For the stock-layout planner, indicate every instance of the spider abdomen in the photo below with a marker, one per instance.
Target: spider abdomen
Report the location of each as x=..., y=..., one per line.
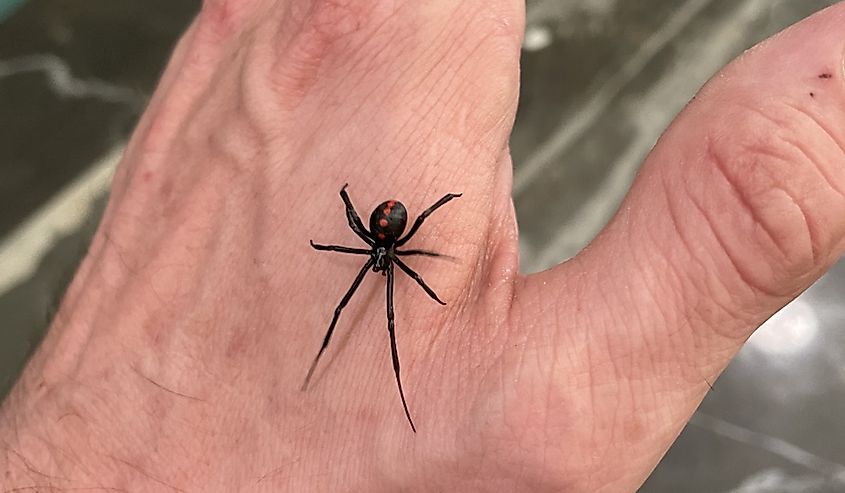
x=388, y=220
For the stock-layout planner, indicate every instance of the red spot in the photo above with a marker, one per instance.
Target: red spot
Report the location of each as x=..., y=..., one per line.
x=220, y=16
x=147, y=175
x=380, y=236
x=382, y=222
x=391, y=203
x=387, y=211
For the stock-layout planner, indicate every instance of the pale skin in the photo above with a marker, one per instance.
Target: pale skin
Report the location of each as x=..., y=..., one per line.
x=176, y=359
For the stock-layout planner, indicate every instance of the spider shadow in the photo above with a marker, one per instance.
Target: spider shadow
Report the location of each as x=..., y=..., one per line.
x=350, y=319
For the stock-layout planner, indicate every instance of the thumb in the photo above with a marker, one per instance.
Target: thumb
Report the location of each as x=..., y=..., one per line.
x=738, y=208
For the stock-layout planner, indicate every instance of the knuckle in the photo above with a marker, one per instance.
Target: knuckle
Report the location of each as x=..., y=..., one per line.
x=221, y=19
x=774, y=168
x=319, y=35
x=489, y=51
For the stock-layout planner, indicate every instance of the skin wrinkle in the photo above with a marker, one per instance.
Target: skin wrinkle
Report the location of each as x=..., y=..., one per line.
x=324, y=25
x=75, y=340
x=462, y=95
x=680, y=233
x=449, y=50
x=612, y=421
x=418, y=122
x=427, y=136
x=824, y=126
x=38, y=487
x=32, y=471
x=672, y=216
x=343, y=82
x=706, y=291
x=680, y=346
x=429, y=341
x=439, y=55
x=145, y=474
x=62, y=459
x=637, y=339
x=651, y=287
x=356, y=112
x=554, y=364
x=591, y=390
x=118, y=250
x=671, y=208
x=376, y=46
x=467, y=86
x=611, y=328
x=810, y=154
x=702, y=212
x=508, y=394
x=453, y=94
x=463, y=436
x=633, y=362
x=339, y=13
x=433, y=128
x=375, y=61
x=806, y=154
x=49, y=455
x=719, y=165
x=774, y=156
x=633, y=369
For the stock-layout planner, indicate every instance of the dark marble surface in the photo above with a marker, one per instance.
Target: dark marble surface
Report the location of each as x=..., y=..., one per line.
x=601, y=79
x=74, y=76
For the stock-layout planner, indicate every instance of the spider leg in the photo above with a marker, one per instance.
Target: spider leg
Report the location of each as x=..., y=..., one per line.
x=425, y=214
x=426, y=253
x=338, y=248
x=354, y=220
x=391, y=329
x=419, y=280
x=340, y=306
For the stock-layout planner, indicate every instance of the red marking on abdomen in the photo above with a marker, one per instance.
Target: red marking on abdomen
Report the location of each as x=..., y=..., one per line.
x=382, y=222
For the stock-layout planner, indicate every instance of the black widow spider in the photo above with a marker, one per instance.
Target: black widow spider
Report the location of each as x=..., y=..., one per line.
x=387, y=222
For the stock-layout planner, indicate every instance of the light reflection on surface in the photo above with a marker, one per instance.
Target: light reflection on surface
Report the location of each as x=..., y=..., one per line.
x=789, y=332
x=537, y=37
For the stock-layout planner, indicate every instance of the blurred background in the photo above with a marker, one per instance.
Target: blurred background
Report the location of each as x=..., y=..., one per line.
x=601, y=79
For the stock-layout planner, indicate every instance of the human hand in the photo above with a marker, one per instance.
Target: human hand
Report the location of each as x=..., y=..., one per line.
x=178, y=353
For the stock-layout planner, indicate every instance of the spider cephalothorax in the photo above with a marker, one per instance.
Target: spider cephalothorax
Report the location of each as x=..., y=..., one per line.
x=387, y=223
